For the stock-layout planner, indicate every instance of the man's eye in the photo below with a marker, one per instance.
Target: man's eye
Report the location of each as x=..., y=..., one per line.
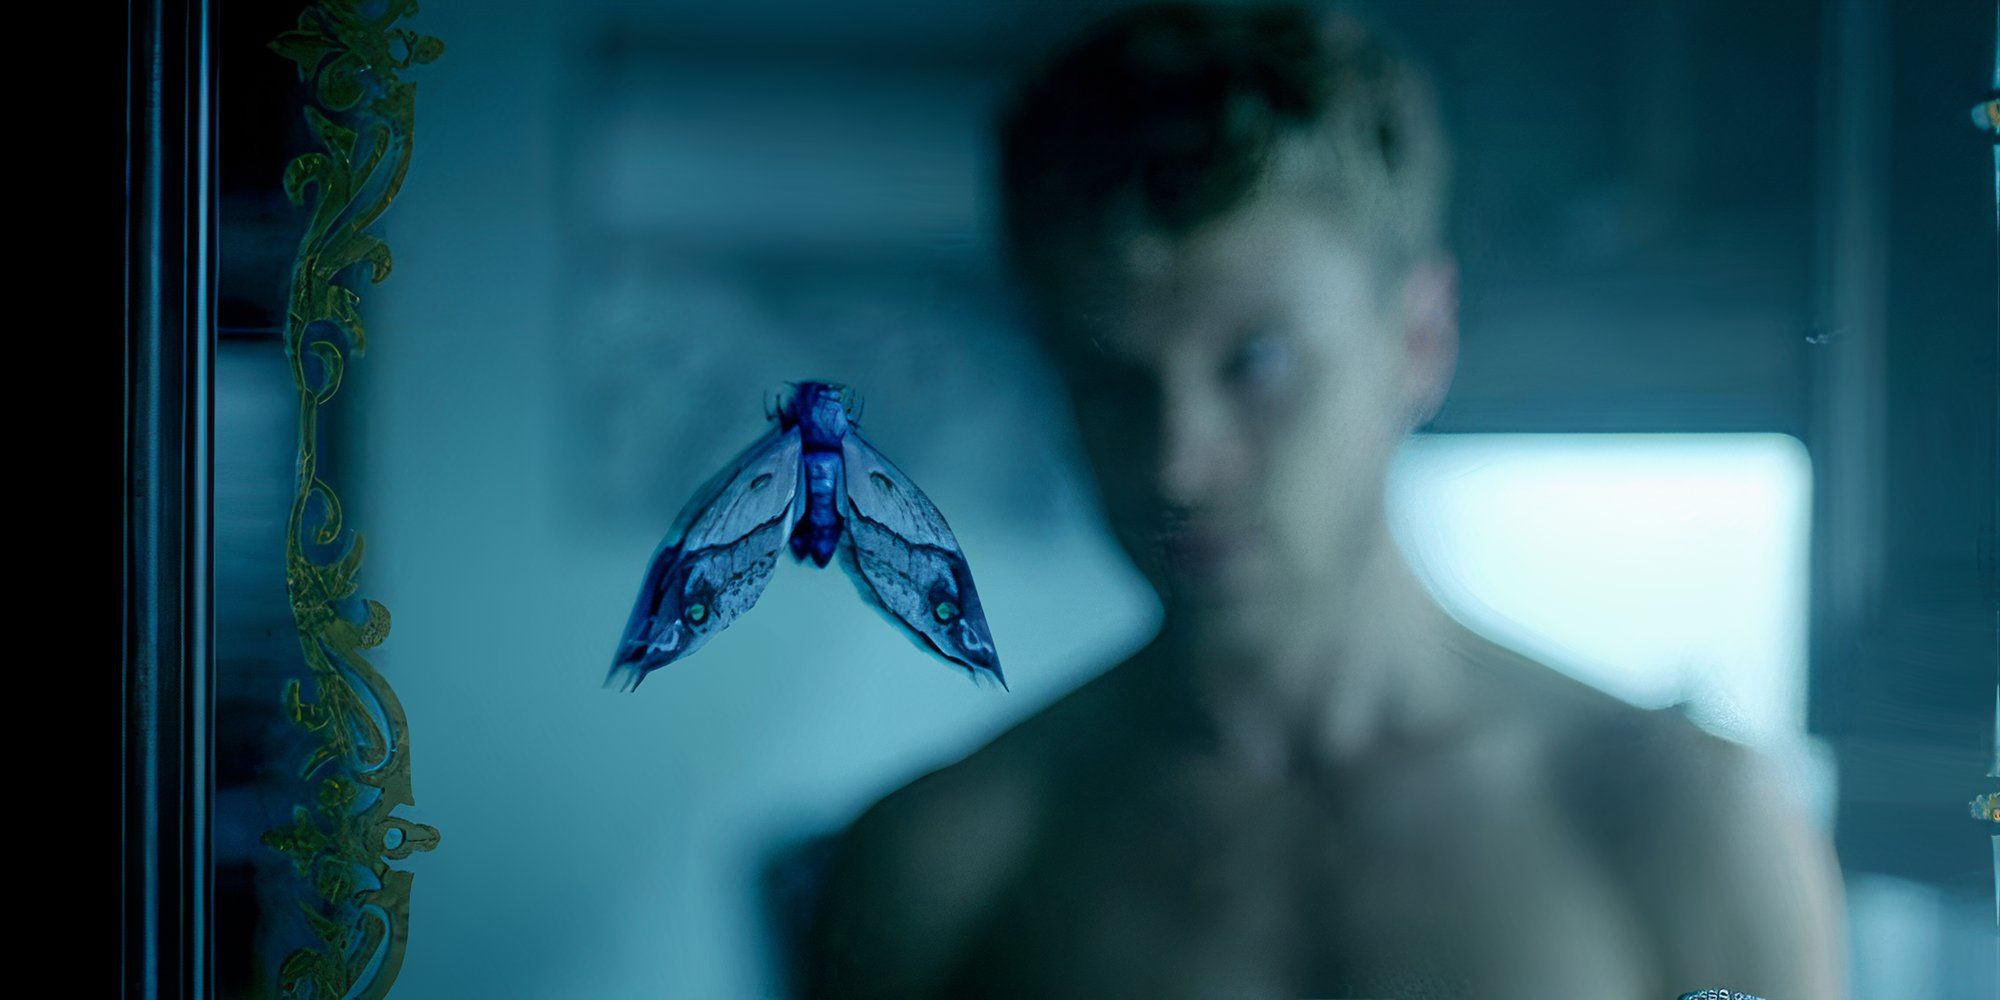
x=1263, y=364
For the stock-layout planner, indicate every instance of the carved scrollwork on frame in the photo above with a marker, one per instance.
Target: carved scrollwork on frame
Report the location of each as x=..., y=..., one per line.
x=344, y=835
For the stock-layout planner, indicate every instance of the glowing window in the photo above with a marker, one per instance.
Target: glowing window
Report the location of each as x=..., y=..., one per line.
x=1656, y=567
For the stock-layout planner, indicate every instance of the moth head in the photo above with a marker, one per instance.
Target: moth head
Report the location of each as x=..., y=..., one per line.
x=826, y=406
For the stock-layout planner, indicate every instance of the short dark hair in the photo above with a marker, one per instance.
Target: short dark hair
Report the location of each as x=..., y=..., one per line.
x=1166, y=116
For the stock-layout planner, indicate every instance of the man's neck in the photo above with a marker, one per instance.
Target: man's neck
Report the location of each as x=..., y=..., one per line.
x=1318, y=683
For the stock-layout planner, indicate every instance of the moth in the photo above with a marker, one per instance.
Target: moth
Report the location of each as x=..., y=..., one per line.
x=814, y=486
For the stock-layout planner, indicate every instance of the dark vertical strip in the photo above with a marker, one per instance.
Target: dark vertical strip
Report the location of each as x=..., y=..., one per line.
x=167, y=614
x=200, y=576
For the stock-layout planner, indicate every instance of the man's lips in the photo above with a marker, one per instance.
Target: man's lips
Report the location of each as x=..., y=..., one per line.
x=1205, y=547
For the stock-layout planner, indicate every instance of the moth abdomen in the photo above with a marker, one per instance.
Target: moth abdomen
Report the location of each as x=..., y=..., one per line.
x=817, y=534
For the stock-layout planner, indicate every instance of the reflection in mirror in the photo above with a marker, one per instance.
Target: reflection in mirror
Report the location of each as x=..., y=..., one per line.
x=1477, y=500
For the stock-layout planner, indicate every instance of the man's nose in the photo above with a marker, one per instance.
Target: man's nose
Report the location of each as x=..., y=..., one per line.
x=1194, y=453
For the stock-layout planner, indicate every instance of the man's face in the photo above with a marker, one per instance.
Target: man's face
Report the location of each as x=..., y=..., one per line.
x=1240, y=393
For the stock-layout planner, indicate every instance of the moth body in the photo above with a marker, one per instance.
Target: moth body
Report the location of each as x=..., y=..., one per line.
x=818, y=412
x=814, y=485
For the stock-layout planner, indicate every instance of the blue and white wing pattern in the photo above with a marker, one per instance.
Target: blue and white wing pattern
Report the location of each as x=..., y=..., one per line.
x=904, y=560
x=814, y=485
x=715, y=560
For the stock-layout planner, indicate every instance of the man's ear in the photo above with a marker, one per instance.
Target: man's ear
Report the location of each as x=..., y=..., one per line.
x=1430, y=337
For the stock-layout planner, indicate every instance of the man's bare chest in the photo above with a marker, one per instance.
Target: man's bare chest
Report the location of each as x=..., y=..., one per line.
x=1194, y=885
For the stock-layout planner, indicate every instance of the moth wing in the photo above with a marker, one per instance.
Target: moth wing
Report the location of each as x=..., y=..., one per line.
x=757, y=487
x=715, y=560
x=905, y=562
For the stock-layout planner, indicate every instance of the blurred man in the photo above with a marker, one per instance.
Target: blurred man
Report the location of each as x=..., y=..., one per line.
x=1313, y=782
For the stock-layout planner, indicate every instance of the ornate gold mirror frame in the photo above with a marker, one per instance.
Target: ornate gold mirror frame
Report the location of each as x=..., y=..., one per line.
x=345, y=836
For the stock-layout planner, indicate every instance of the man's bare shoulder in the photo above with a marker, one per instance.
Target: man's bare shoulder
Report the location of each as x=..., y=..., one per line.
x=1642, y=776
x=990, y=797
x=1610, y=753
x=1707, y=839
x=917, y=874
x=1718, y=861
